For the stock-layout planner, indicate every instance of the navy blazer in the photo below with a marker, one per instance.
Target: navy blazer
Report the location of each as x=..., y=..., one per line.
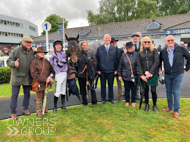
x=107, y=61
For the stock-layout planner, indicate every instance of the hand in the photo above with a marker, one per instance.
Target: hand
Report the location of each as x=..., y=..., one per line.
x=148, y=75
x=17, y=63
x=160, y=71
x=144, y=78
x=184, y=71
x=120, y=78
x=49, y=80
x=115, y=72
x=99, y=72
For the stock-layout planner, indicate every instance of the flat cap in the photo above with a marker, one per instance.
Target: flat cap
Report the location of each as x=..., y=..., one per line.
x=27, y=39
x=135, y=34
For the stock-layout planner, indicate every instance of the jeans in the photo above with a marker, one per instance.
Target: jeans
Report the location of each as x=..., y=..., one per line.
x=173, y=86
x=130, y=86
x=110, y=78
x=14, y=97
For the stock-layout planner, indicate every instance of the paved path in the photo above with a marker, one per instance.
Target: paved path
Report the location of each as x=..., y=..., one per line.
x=73, y=100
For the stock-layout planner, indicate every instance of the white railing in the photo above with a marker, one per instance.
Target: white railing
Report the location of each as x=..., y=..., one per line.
x=4, y=59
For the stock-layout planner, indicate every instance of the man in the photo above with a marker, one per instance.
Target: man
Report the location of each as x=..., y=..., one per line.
x=19, y=61
x=173, y=57
x=43, y=46
x=106, y=56
x=123, y=48
x=137, y=44
x=159, y=48
x=119, y=53
x=140, y=36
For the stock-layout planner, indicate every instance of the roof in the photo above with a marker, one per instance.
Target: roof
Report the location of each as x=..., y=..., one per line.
x=125, y=28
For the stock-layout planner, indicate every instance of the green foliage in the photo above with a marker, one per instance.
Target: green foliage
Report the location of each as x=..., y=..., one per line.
x=111, y=11
x=5, y=74
x=54, y=19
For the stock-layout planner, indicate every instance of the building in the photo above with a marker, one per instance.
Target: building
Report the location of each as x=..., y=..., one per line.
x=13, y=29
x=155, y=28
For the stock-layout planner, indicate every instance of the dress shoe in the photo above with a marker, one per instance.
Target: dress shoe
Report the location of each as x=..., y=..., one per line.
x=103, y=102
x=126, y=104
x=155, y=109
x=119, y=99
x=112, y=101
x=13, y=116
x=176, y=114
x=133, y=104
x=26, y=112
x=39, y=113
x=146, y=108
x=167, y=109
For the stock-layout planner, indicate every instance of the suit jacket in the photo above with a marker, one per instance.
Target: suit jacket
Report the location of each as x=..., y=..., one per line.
x=139, y=46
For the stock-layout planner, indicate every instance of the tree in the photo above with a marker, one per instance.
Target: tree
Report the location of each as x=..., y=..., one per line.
x=54, y=19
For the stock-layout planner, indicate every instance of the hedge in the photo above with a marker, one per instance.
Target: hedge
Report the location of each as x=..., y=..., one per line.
x=5, y=74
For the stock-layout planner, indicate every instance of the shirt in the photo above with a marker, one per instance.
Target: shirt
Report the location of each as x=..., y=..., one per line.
x=107, y=47
x=136, y=44
x=170, y=55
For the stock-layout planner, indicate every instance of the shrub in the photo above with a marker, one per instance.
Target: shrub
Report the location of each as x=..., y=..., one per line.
x=5, y=74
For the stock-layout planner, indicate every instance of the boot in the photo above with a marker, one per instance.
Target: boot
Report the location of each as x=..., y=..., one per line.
x=55, y=104
x=63, y=102
x=155, y=109
x=146, y=108
x=38, y=107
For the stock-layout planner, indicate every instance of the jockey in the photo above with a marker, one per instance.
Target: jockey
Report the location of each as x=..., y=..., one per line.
x=60, y=66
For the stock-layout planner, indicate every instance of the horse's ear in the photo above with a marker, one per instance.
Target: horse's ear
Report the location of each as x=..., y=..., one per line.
x=66, y=37
x=77, y=37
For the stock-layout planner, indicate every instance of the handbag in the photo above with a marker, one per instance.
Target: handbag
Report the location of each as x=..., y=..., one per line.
x=35, y=82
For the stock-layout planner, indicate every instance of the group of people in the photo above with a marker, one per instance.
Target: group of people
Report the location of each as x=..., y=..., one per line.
x=138, y=64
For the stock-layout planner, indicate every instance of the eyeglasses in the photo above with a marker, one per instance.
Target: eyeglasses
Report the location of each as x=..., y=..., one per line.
x=170, y=40
x=146, y=41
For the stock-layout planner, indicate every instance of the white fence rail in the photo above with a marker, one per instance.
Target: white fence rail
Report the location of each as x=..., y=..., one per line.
x=4, y=59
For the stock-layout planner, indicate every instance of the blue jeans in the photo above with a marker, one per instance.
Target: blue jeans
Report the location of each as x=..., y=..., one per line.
x=110, y=78
x=173, y=86
x=130, y=86
x=14, y=97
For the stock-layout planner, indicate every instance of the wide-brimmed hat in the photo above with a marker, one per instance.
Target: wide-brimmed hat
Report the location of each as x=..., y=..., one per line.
x=114, y=39
x=129, y=44
x=135, y=34
x=27, y=39
x=40, y=49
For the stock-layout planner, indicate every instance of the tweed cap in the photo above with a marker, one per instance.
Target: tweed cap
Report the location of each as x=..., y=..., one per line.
x=27, y=39
x=114, y=39
x=135, y=34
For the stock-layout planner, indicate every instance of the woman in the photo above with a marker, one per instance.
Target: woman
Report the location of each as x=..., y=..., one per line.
x=85, y=60
x=40, y=69
x=148, y=67
x=127, y=72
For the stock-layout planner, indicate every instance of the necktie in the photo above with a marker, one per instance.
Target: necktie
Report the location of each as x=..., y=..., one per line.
x=136, y=48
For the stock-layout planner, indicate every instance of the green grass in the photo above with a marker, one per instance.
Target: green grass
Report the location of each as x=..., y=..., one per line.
x=6, y=89
x=103, y=123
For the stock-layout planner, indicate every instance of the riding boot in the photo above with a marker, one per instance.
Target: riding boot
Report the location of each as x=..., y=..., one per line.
x=63, y=102
x=38, y=107
x=155, y=109
x=55, y=104
x=146, y=108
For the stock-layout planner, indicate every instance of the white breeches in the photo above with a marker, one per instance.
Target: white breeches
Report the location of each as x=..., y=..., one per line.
x=60, y=83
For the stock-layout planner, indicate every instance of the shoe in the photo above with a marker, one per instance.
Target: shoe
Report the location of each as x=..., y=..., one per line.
x=176, y=114
x=39, y=113
x=26, y=112
x=112, y=101
x=46, y=110
x=55, y=104
x=167, y=109
x=126, y=104
x=155, y=109
x=13, y=116
x=119, y=99
x=103, y=102
x=146, y=108
x=63, y=102
x=133, y=104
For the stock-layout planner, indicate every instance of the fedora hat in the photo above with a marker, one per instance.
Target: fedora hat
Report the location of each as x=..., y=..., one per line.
x=129, y=44
x=40, y=50
x=114, y=39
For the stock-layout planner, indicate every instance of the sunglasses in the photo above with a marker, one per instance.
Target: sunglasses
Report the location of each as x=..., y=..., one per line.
x=146, y=41
x=170, y=40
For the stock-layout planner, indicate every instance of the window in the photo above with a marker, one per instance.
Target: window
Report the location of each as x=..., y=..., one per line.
x=32, y=28
x=8, y=34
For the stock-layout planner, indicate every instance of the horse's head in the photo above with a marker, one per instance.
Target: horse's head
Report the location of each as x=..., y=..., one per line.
x=73, y=48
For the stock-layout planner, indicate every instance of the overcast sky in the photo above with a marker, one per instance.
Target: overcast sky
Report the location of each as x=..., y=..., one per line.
x=36, y=11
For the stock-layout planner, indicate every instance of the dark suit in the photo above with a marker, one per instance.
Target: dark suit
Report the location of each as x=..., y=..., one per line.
x=139, y=45
x=107, y=64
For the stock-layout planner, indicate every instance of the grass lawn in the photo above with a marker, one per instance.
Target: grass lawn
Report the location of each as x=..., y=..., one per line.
x=6, y=89
x=102, y=123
